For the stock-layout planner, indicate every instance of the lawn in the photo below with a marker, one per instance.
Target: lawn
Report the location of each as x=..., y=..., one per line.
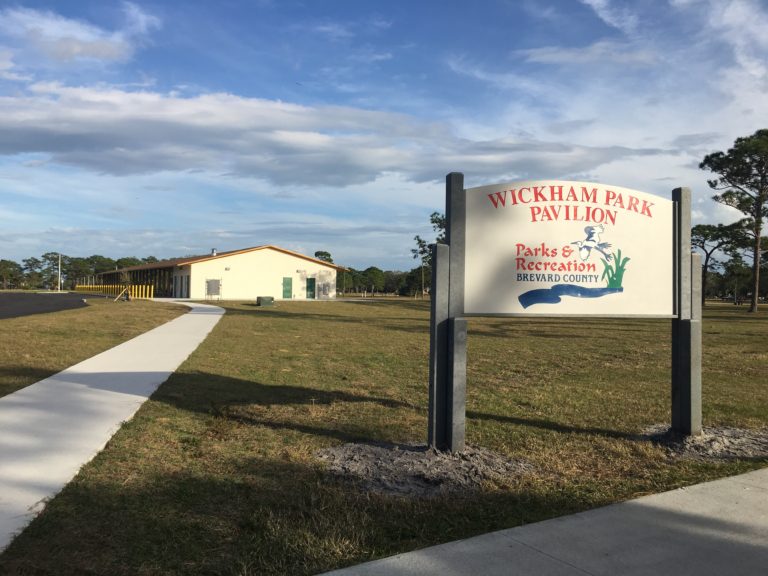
x=37, y=346
x=217, y=473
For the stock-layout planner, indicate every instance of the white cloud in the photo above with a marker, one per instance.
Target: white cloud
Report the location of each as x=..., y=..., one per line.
x=62, y=39
x=139, y=22
x=743, y=25
x=618, y=17
x=8, y=67
x=508, y=81
x=602, y=51
x=334, y=30
x=65, y=40
x=119, y=132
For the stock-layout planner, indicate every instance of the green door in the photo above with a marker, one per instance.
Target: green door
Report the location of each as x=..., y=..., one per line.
x=310, y=288
x=287, y=287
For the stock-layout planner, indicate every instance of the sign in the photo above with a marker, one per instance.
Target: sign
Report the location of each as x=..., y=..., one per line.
x=551, y=247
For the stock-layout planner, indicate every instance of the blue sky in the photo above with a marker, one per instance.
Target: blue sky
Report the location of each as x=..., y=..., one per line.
x=168, y=128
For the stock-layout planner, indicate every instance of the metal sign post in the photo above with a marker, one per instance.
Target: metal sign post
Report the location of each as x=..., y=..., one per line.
x=539, y=201
x=448, y=330
x=686, y=327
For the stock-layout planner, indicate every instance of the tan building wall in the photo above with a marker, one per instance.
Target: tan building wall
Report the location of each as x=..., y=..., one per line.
x=263, y=272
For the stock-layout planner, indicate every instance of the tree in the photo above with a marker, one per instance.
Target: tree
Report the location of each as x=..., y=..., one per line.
x=128, y=261
x=422, y=251
x=423, y=254
x=32, y=276
x=100, y=264
x=10, y=274
x=393, y=281
x=77, y=270
x=736, y=276
x=374, y=279
x=743, y=183
x=709, y=239
x=50, y=268
x=438, y=225
x=324, y=256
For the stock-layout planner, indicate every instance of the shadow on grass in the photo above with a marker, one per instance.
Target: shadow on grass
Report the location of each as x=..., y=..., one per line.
x=15, y=378
x=403, y=324
x=553, y=426
x=268, y=516
x=245, y=401
x=265, y=516
x=194, y=392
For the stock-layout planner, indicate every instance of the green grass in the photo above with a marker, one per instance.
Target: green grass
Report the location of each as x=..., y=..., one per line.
x=37, y=346
x=216, y=473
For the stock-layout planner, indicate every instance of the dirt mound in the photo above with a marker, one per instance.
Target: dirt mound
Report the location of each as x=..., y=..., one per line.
x=715, y=443
x=418, y=471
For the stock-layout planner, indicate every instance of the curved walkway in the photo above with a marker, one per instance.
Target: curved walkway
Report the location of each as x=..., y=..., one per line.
x=50, y=429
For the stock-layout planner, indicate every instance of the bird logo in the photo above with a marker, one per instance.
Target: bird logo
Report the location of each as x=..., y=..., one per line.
x=592, y=242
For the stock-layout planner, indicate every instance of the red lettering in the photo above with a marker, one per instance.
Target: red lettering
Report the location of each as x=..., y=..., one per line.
x=589, y=195
x=498, y=198
x=646, y=211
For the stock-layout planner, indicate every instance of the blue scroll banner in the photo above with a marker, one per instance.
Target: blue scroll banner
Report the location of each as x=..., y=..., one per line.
x=552, y=295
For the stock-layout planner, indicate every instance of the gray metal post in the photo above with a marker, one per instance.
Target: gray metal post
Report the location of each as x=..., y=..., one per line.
x=686, y=327
x=455, y=215
x=437, y=436
x=448, y=331
x=457, y=391
x=455, y=218
x=694, y=400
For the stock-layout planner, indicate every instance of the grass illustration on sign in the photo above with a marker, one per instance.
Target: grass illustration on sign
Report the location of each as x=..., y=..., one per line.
x=614, y=267
x=614, y=273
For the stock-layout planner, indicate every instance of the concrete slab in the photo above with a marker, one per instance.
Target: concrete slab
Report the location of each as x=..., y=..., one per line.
x=710, y=529
x=50, y=429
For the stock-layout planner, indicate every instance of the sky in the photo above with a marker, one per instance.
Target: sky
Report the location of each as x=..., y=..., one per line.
x=169, y=128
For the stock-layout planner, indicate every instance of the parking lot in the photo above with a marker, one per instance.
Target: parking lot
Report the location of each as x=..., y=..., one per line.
x=15, y=304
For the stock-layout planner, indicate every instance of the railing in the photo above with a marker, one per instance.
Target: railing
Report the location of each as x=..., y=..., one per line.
x=136, y=291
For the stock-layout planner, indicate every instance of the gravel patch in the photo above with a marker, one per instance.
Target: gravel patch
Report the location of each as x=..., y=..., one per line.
x=417, y=471
x=715, y=443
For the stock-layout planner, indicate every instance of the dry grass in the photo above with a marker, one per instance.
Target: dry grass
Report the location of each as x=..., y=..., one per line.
x=34, y=347
x=216, y=473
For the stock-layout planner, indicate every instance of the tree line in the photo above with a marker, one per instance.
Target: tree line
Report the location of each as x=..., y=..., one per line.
x=374, y=280
x=43, y=272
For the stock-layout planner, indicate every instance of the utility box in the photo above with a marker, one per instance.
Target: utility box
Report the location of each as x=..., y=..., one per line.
x=213, y=288
x=265, y=300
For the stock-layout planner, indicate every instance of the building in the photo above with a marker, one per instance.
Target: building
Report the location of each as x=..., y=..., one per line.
x=236, y=275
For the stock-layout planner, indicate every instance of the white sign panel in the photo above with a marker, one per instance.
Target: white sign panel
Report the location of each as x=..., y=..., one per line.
x=551, y=247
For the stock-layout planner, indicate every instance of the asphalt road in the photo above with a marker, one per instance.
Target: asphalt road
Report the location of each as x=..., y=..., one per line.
x=15, y=304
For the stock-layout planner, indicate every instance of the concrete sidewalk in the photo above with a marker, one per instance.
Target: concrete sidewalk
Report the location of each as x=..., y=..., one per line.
x=50, y=429
x=710, y=529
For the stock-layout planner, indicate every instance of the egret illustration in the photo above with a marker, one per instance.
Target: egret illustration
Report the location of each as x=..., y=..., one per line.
x=592, y=242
